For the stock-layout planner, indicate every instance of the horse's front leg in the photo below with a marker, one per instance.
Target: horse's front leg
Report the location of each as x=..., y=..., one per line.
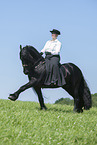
x=30, y=84
x=40, y=98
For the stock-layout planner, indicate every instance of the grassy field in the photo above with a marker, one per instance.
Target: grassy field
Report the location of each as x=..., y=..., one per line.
x=22, y=123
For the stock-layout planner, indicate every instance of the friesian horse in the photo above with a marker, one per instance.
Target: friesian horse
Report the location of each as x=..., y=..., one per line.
x=34, y=66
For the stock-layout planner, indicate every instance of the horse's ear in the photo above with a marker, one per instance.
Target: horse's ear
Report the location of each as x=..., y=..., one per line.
x=20, y=47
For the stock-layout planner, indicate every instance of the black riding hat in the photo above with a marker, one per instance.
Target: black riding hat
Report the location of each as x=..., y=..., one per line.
x=54, y=31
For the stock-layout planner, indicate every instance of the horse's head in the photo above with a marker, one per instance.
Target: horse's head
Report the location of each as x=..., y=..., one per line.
x=29, y=55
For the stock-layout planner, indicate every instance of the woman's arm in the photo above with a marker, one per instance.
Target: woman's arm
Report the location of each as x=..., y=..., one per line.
x=57, y=49
x=43, y=50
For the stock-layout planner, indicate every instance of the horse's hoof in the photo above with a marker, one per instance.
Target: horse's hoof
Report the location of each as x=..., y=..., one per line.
x=43, y=108
x=12, y=97
x=78, y=110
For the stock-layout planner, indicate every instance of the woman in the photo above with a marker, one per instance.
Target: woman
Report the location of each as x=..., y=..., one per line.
x=52, y=52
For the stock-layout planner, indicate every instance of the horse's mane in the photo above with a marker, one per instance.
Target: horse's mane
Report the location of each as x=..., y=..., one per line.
x=29, y=52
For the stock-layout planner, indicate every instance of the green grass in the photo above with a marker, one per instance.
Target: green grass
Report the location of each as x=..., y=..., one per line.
x=22, y=123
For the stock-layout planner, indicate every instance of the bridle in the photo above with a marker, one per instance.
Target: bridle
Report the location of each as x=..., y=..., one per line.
x=35, y=63
x=39, y=60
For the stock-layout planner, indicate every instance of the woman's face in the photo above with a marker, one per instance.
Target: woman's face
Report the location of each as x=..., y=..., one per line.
x=54, y=36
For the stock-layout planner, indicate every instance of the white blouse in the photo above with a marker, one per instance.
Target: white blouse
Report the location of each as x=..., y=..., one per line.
x=52, y=46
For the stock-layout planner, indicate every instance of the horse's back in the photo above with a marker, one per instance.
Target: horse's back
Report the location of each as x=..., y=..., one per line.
x=71, y=67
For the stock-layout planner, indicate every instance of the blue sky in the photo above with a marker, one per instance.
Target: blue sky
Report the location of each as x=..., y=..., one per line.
x=29, y=22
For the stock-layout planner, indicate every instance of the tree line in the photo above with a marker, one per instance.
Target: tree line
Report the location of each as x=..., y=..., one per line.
x=69, y=101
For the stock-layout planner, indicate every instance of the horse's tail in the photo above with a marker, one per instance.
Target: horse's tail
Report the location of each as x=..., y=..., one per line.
x=85, y=94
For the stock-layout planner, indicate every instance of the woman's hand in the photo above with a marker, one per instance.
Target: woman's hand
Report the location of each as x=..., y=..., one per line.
x=41, y=53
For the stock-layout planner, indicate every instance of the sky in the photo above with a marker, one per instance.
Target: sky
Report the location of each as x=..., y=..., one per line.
x=28, y=22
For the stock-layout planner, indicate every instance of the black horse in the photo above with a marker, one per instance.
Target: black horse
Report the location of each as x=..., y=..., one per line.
x=34, y=66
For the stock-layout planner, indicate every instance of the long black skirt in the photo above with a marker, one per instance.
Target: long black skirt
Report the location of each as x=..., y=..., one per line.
x=54, y=74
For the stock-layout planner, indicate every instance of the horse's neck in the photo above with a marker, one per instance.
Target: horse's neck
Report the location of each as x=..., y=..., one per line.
x=37, y=62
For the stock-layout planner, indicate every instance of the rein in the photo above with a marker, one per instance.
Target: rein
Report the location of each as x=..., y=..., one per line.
x=34, y=63
x=37, y=62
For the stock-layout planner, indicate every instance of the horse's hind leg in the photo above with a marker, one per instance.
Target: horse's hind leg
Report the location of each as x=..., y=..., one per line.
x=77, y=101
x=40, y=98
x=73, y=91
